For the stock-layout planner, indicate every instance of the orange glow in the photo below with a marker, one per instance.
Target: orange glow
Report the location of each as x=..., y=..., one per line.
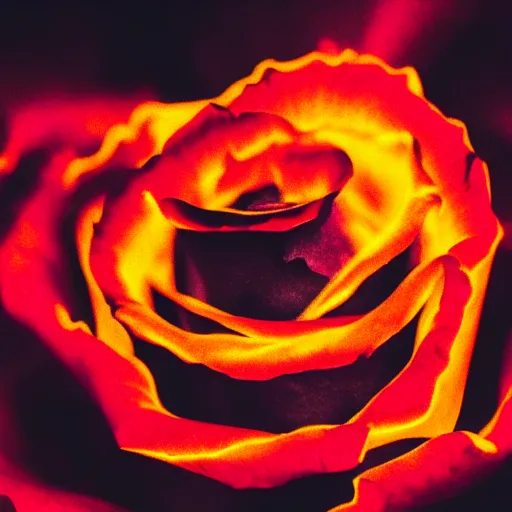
x=328, y=126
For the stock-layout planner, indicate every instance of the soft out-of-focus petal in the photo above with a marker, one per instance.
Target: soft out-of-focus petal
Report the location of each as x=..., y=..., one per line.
x=80, y=123
x=412, y=30
x=27, y=494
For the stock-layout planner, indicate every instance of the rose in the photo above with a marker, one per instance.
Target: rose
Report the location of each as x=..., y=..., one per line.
x=25, y=253
x=343, y=134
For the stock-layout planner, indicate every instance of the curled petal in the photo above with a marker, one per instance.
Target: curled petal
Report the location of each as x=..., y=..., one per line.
x=437, y=469
x=264, y=355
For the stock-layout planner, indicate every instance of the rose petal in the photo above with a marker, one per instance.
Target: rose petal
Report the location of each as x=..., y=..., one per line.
x=264, y=355
x=28, y=494
x=431, y=472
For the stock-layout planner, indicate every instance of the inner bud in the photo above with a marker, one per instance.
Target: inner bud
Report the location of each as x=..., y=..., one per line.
x=267, y=197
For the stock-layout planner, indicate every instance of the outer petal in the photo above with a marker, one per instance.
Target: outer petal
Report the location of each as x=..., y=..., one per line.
x=437, y=470
x=27, y=495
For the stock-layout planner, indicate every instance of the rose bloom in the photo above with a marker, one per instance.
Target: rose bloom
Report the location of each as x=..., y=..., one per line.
x=279, y=282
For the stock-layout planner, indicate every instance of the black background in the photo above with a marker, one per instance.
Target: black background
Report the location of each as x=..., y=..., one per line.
x=195, y=49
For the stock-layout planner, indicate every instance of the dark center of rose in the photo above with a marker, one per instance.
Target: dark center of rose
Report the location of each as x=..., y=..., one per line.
x=246, y=273
x=265, y=198
x=270, y=276
x=258, y=274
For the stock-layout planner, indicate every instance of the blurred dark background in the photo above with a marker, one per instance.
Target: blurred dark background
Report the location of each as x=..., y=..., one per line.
x=195, y=49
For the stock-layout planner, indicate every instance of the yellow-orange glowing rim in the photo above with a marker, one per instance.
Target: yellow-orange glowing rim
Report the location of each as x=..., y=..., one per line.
x=413, y=178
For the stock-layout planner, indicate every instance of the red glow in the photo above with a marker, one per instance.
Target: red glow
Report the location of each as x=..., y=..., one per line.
x=342, y=118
